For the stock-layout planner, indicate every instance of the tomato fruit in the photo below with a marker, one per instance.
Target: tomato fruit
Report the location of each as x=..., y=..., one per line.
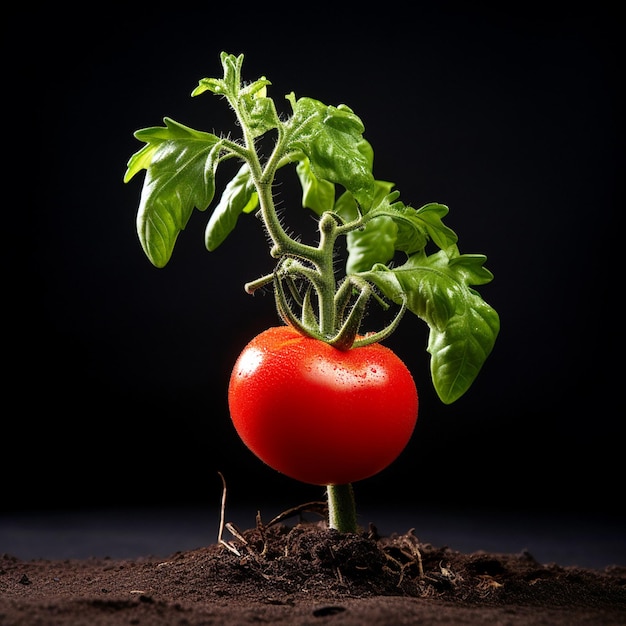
x=318, y=414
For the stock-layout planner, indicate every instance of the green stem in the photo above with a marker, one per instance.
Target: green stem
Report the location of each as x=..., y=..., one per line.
x=321, y=257
x=342, y=508
x=328, y=237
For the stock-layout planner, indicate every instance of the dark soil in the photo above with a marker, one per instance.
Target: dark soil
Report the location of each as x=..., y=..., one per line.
x=309, y=574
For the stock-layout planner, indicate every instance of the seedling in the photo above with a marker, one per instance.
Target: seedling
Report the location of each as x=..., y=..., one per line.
x=318, y=398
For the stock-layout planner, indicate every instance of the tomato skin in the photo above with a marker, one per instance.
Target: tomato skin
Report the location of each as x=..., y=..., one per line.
x=321, y=415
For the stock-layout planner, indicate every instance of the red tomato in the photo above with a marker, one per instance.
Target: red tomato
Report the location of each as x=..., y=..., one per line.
x=318, y=414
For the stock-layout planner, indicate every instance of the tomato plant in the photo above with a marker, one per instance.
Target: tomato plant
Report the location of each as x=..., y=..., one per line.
x=390, y=261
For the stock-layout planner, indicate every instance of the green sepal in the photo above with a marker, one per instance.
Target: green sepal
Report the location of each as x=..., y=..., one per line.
x=309, y=316
x=346, y=335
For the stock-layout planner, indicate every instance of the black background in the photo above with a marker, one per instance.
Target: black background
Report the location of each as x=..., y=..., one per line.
x=116, y=372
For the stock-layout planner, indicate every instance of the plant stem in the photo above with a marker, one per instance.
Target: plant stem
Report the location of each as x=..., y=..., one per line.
x=341, y=508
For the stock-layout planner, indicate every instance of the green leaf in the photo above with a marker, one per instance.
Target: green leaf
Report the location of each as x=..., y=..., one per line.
x=317, y=195
x=258, y=111
x=472, y=267
x=430, y=215
x=460, y=350
x=140, y=160
x=348, y=209
x=214, y=85
x=430, y=292
x=416, y=227
x=331, y=138
x=463, y=328
x=155, y=137
x=227, y=86
x=374, y=243
x=304, y=123
x=239, y=196
x=388, y=228
x=180, y=176
x=392, y=227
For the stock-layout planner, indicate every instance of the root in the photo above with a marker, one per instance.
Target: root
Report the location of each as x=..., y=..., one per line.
x=226, y=544
x=318, y=507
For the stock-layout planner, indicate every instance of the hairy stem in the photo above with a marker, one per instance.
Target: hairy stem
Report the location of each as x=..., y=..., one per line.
x=341, y=508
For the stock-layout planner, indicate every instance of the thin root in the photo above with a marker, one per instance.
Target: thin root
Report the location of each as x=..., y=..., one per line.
x=320, y=508
x=226, y=544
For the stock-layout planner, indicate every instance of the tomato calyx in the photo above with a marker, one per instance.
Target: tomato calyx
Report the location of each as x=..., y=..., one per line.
x=309, y=299
x=351, y=300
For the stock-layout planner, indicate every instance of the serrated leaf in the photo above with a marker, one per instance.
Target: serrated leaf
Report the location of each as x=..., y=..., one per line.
x=463, y=328
x=429, y=293
x=259, y=112
x=180, y=177
x=331, y=138
x=386, y=230
x=154, y=137
x=460, y=350
x=472, y=266
x=336, y=156
x=416, y=226
x=431, y=216
x=239, y=196
x=304, y=123
x=140, y=161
